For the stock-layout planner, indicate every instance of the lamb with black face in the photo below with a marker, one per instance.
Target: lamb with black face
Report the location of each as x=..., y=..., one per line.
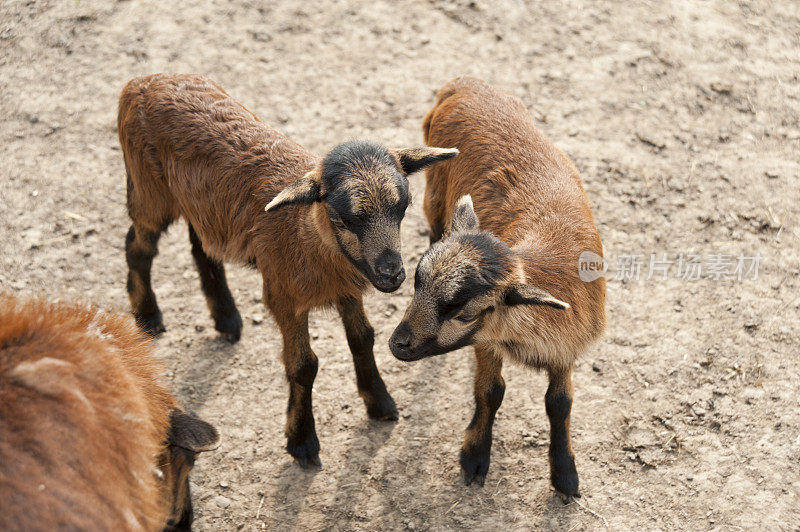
x=364, y=187
x=459, y=282
x=470, y=289
x=454, y=290
x=367, y=200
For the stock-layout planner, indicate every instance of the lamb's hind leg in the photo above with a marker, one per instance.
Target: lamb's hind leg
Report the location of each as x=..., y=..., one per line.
x=141, y=246
x=558, y=402
x=215, y=287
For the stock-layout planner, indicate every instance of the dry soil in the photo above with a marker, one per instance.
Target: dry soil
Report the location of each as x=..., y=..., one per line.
x=683, y=119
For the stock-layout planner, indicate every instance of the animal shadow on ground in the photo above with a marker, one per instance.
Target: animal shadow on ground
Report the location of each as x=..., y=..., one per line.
x=367, y=439
x=290, y=495
x=204, y=371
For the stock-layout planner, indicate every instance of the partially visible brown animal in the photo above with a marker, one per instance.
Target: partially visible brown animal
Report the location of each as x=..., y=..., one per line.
x=332, y=224
x=512, y=289
x=89, y=439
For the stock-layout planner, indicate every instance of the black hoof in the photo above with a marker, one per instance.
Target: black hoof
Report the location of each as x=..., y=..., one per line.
x=474, y=466
x=230, y=327
x=151, y=324
x=564, y=477
x=381, y=408
x=305, y=452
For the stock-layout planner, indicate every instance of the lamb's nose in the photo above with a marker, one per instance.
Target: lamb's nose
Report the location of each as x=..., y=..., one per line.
x=402, y=342
x=390, y=268
x=401, y=339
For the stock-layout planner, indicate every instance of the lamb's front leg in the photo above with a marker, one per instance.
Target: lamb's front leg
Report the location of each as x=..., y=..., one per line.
x=489, y=391
x=558, y=402
x=301, y=369
x=361, y=339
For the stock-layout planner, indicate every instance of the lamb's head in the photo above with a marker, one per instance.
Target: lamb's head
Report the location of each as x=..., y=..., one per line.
x=459, y=282
x=364, y=189
x=186, y=438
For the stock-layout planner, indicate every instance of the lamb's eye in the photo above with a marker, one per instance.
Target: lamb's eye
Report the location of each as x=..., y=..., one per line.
x=349, y=221
x=337, y=220
x=466, y=318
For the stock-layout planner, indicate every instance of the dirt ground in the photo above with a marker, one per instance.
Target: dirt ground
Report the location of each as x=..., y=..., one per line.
x=684, y=119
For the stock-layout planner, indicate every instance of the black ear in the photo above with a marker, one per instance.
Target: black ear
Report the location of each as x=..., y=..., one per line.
x=305, y=190
x=524, y=294
x=464, y=217
x=414, y=159
x=191, y=433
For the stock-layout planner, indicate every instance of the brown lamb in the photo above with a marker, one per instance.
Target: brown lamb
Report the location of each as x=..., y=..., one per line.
x=331, y=226
x=89, y=439
x=512, y=275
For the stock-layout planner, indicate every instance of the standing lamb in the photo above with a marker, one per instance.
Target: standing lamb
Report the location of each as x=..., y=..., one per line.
x=513, y=289
x=331, y=226
x=89, y=439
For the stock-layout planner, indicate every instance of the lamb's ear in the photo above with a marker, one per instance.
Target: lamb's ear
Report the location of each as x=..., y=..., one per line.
x=191, y=433
x=305, y=190
x=464, y=217
x=524, y=294
x=414, y=159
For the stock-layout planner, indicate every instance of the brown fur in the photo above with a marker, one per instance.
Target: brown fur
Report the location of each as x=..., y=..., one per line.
x=329, y=229
x=84, y=423
x=192, y=151
x=527, y=193
x=534, y=308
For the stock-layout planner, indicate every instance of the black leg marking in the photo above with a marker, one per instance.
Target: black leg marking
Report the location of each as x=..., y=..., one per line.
x=558, y=403
x=301, y=366
x=215, y=287
x=489, y=392
x=361, y=339
x=302, y=442
x=140, y=249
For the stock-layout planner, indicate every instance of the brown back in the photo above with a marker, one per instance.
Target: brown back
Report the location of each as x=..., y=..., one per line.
x=524, y=190
x=193, y=151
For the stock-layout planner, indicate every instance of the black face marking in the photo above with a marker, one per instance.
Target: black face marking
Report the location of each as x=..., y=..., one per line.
x=491, y=252
x=352, y=154
x=366, y=199
x=487, y=261
x=359, y=156
x=431, y=347
x=471, y=287
x=453, y=280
